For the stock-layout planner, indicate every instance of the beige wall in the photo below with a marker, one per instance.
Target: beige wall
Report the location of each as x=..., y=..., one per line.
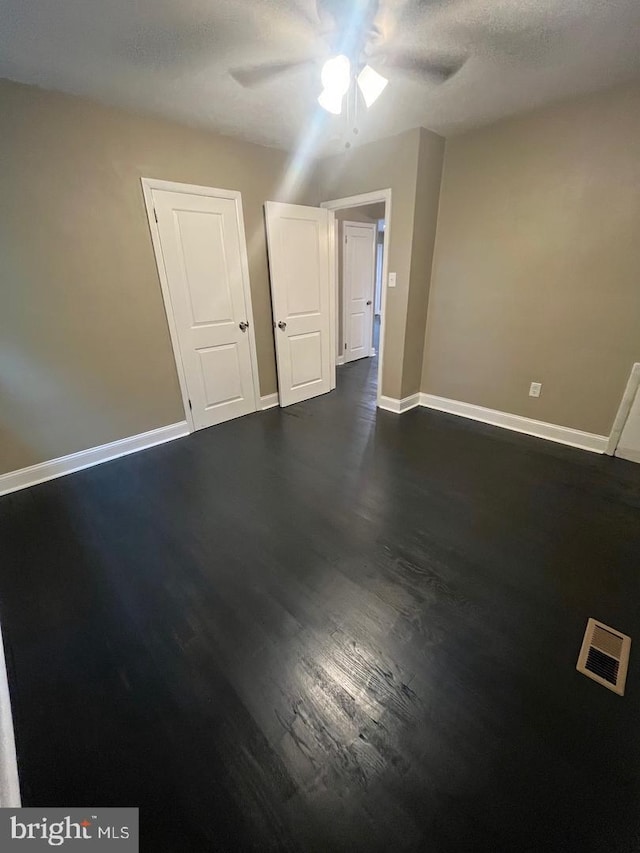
x=85, y=354
x=390, y=163
x=536, y=274
x=363, y=213
x=428, y=178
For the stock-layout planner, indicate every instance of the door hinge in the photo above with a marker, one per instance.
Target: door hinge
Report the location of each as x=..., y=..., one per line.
x=190, y=406
x=345, y=346
x=155, y=213
x=346, y=239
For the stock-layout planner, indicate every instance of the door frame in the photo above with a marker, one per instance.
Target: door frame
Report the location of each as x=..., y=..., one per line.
x=368, y=226
x=359, y=201
x=633, y=388
x=150, y=184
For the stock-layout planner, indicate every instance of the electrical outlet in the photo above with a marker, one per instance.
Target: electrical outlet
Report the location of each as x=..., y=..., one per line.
x=535, y=388
x=392, y=279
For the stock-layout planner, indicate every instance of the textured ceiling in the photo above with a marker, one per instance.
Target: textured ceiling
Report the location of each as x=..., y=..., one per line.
x=171, y=57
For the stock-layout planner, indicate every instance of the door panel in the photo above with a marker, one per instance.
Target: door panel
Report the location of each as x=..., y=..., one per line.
x=359, y=271
x=305, y=352
x=357, y=335
x=201, y=250
x=300, y=266
x=302, y=271
x=221, y=374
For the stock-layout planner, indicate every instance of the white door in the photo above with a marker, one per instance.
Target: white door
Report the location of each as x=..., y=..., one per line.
x=629, y=444
x=206, y=289
x=301, y=269
x=358, y=279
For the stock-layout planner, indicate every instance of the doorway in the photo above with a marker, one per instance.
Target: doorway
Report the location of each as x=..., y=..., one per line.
x=357, y=281
x=361, y=272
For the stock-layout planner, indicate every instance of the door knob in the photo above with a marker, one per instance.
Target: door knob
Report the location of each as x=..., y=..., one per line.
x=368, y=302
x=282, y=325
x=243, y=326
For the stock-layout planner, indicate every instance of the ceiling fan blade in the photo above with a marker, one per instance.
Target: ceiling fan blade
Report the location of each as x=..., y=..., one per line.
x=438, y=70
x=412, y=10
x=400, y=16
x=257, y=75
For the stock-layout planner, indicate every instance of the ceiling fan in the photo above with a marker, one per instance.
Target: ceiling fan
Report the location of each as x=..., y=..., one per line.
x=357, y=38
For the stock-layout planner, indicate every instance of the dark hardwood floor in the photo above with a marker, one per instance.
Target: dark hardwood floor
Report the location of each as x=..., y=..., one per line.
x=330, y=629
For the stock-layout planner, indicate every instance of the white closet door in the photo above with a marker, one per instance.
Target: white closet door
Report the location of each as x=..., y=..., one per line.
x=202, y=245
x=359, y=274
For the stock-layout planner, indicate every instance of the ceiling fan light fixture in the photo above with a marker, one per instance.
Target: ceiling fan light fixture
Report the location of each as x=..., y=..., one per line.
x=371, y=84
x=331, y=101
x=336, y=75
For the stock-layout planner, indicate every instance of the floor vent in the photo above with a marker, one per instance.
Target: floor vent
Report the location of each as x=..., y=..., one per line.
x=604, y=656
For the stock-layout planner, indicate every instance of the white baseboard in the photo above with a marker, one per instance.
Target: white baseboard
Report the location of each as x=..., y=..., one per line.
x=9, y=782
x=340, y=360
x=540, y=429
x=392, y=404
x=34, y=474
x=269, y=401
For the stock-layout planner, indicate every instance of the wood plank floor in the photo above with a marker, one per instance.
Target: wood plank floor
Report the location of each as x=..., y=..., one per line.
x=330, y=629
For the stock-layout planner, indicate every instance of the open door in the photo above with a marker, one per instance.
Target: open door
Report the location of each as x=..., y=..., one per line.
x=301, y=264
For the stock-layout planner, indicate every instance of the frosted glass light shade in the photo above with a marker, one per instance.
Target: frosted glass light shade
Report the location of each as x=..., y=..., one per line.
x=371, y=84
x=336, y=74
x=331, y=101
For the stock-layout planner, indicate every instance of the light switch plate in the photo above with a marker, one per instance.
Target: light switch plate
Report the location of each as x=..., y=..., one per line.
x=392, y=279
